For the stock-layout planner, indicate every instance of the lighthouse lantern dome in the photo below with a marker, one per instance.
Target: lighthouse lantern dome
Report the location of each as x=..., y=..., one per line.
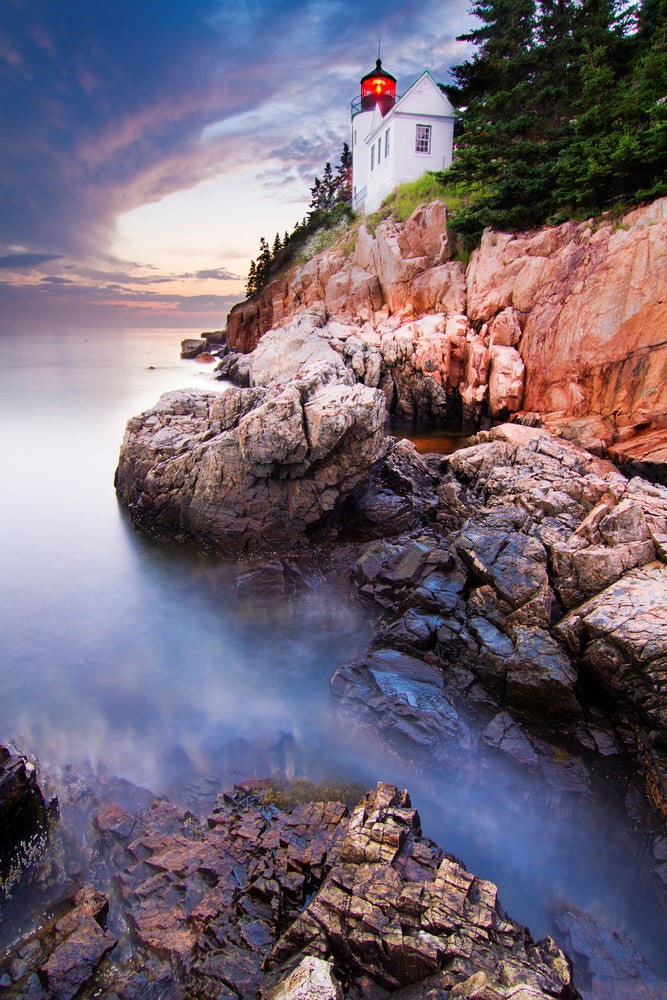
x=378, y=87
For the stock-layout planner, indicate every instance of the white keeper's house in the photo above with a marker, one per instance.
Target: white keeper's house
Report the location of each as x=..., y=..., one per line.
x=394, y=141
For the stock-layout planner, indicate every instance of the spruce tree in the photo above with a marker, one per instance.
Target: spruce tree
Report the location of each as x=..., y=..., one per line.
x=251, y=283
x=343, y=178
x=327, y=189
x=263, y=264
x=492, y=92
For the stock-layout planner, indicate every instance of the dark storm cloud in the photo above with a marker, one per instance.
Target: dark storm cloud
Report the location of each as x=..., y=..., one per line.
x=26, y=260
x=106, y=106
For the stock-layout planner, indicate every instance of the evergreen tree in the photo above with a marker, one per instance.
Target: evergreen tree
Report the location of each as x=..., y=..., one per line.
x=343, y=179
x=277, y=246
x=251, y=283
x=327, y=188
x=315, y=197
x=492, y=92
x=263, y=264
x=561, y=105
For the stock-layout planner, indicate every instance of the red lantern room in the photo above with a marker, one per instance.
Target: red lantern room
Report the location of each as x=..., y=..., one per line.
x=378, y=87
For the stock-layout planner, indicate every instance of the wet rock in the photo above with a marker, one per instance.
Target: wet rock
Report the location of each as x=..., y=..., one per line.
x=64, y=954
x=191, y=348
x=312, y=979
x=74, y=960
x=403, y=696
x=23, y=816
x=504, y=734
x=616, y=967
x=267, y=580
x=621, y=637
x=393, y=911
x=540, y=677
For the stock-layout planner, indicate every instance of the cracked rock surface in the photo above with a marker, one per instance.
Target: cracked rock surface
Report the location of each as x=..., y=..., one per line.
x=316, y=902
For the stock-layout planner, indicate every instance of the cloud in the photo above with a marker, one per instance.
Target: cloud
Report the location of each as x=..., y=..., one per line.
x=111, y=106
x=105, y=108
x=83, y=304
x=219, y=273
x=27, y=260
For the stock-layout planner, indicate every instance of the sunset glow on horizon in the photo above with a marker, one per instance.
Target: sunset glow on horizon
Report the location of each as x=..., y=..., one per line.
x=148, y=148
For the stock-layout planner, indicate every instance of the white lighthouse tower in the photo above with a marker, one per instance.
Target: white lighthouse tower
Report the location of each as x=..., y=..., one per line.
x=394, y=141
x=378, y=93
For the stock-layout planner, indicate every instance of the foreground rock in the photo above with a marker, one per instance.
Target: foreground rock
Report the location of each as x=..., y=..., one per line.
x=263, y=903
x=23, y=817
x=266, y=466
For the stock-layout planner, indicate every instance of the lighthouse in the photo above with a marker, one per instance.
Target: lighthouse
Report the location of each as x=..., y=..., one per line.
x=378, y=93
x=394, y=141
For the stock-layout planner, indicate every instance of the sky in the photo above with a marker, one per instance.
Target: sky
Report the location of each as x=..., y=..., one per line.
x=147, y=146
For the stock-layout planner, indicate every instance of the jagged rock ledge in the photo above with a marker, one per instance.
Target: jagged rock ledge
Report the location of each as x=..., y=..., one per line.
x=310, y=903
x=566, y=321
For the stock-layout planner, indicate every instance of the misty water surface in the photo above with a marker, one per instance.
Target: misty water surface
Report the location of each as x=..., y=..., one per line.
x=135, y=657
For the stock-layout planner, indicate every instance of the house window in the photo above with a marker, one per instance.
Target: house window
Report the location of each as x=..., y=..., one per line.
x=372, y=156
x=386, y=144
x=423, y=139
x=379, y=149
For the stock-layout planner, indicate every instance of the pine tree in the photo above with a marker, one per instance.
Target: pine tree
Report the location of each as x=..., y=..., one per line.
x=343, y=179
x=327, y=188
x=263, y=264
x=562, y=104
x=251, y=283
x=277, y=246
x=315, y=197
x=494, y=148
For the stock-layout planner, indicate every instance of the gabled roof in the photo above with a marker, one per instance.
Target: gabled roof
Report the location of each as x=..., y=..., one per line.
x=423, y=98
x=376, y=121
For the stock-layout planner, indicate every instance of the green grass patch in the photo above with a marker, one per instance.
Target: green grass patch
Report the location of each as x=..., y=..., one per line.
x=403, y=200
x=286, y=796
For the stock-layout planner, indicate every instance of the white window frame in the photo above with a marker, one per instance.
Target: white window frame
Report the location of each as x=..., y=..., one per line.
x=372, y=156
x=423, y=140
x=386, y=144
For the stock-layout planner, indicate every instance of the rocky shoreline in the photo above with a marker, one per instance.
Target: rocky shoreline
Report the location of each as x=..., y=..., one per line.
x=522, y=587
x=320, y=900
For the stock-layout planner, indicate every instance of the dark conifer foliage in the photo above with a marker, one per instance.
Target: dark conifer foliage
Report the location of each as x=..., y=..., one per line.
x=562, y=108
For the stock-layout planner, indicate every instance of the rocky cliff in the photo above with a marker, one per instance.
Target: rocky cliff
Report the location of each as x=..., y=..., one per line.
x=569, y=321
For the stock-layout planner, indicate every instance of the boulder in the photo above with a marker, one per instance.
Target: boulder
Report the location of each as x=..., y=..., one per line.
x=312, y=979
x=403, y=697
x=81, y=944
x=258, y=467
x=540, y=677
x=506, y=380
x=353, y=292
x=191, y=348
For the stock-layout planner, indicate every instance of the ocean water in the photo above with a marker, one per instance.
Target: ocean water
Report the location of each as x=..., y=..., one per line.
x=137, y=659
